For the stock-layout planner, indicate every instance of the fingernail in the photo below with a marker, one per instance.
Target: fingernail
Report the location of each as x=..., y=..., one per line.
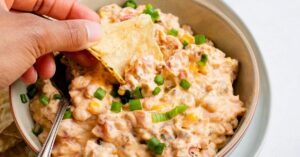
x=94, y=31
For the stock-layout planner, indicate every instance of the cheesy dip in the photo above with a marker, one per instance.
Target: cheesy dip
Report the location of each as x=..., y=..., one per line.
x=182, y=106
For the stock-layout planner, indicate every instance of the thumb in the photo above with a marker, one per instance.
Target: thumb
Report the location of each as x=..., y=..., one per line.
x=69, y=35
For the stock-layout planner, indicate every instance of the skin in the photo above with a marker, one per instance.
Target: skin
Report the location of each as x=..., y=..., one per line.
x=28, y=40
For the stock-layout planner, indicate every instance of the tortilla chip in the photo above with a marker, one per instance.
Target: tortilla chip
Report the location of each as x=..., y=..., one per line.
x=5, y=113
x=21, y=150
x=7, y=142
x=124, y=40
x=13, y=131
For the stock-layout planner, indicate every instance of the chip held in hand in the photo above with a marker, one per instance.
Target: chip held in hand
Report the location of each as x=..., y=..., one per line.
x=124, y=40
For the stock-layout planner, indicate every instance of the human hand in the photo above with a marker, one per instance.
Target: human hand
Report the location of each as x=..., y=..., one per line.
x=27, y=39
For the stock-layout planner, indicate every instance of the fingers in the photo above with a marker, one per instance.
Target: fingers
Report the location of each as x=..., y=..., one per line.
x=59, y=9
x=9, y=3
x=71, y=35
x=45, y=66
x=82, y=12
x=30, y=76
x=83, y=58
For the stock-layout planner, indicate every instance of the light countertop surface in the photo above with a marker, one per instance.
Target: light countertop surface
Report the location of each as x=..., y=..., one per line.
x=275, y=24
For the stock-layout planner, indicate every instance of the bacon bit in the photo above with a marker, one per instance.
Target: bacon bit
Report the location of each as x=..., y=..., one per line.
x=209, y=88
x=126, y=17
x=168, y=65
x=200, y=102
x=182, y=74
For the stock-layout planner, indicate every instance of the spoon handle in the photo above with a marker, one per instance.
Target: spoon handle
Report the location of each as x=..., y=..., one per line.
x=47, y=147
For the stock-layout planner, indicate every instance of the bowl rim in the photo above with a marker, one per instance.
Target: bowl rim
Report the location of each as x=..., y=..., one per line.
x=240, y=28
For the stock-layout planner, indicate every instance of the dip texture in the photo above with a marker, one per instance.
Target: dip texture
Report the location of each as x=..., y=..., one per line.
x=186, y=101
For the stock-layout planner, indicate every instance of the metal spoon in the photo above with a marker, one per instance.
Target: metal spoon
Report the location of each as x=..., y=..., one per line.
x=60, y=82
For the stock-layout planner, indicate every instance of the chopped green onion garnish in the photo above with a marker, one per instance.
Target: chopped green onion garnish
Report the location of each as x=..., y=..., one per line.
x=150, y=11
x=44, y=99
x=130, y=3
x=185, y=44
x=161, y=117
x=203, y=60
x=156, y=91
x=173, y=32
x=159, y=80
x=135, y=104
x=68, y=114
x=156, y=146
x=114, y=91
x=31, y=91
x=116, y=107
x=200, y=39
x=57, y=96
x=137, y=93
x=37, y=129
x=23, y=98
x=152, y=142
x=100, y=93
x=176, y=111
x=185, y=84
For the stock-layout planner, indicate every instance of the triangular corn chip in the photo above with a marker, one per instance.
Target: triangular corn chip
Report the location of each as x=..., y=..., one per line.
x=124, y=40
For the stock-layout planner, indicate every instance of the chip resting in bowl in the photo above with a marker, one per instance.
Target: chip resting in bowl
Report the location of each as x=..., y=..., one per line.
x=175, y=99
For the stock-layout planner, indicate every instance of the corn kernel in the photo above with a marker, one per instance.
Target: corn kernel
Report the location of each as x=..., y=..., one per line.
x=191, y=117
x=185, y=124
x=158, y=107
x=188, y=38
x=102, y=13
x=203, y=69
x=94, y=108
x=193, y=68
x=121, y=91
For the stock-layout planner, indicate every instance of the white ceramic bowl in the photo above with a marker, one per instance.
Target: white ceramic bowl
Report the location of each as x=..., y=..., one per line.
x=209, y=17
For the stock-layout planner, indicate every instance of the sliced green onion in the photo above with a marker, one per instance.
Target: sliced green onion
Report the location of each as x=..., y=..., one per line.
x=176, y=111
x=23, y=98
x=156, y=146
x=185, y=44
x=57, y=96
x=185, y=84
x=116, y=107
x=100, y=93
x=44, y=99
x=173, y=32
x=114, y=91
x=156, y=91
x=31, y=91
x=68, y=114
x=130, y=3
x=137, y=93
x=200, y=39
x=37, y=129
x=135, y=104
x=150, y=11
x=203, y=61
x=159, y=80
x=159, y=149
x=152, y=142
x=161, y=117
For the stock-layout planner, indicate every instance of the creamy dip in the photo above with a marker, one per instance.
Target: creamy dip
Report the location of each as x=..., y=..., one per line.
x=94, y=130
